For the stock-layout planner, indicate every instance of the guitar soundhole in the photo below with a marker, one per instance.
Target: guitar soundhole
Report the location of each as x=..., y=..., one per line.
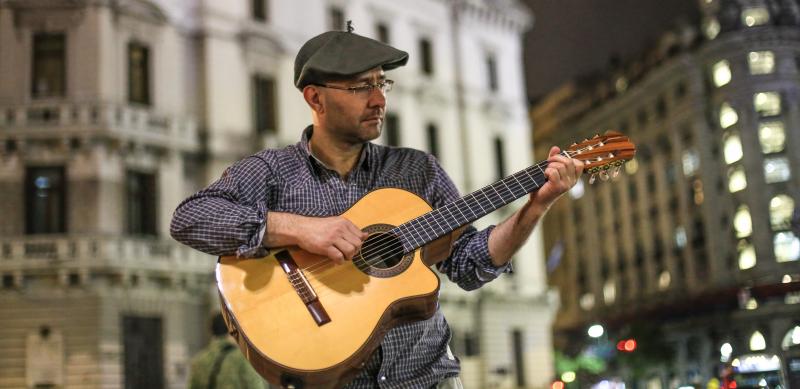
x=381, y=254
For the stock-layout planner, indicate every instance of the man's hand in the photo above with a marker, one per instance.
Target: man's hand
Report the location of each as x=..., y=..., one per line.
x=334, y=237
x=562, y=173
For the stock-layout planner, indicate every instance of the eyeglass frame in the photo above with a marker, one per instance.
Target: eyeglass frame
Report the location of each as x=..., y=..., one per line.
x=368, y=87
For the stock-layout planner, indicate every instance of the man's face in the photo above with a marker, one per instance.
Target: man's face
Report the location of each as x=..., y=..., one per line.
x=355, y=116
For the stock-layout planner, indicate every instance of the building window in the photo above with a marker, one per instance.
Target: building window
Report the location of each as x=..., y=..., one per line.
x=587, y=301
x=49, y=65
x=732, y=147
x=690, y=162
x=143, y=352
x=711, y=28
x=141, y=203
x=392, y=129
x=336, y=18
x=264, y=105
x=780, y=212
x=737, y=180
x=499, y=158
x=383, y=32
x=609, y=292
x=519, y=359
x=664, y=279
x=721, y=72
x=761, y=62
x=491, y=73
x=742, y=222
x=767, y=103
x=776, y=169
x=433, y=139
x=787, y=247
x=727, y=116
x=260, y=10
x=755, y=16
x=426, y=56
x=45, y=200
x=747, y=255
x=772, y=136
x=138, y=73
x=472, y=345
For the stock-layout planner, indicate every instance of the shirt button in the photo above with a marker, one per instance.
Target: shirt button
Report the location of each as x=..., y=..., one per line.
x=383, y=378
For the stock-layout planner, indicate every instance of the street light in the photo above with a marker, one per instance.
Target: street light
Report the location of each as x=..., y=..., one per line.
x=596, y=331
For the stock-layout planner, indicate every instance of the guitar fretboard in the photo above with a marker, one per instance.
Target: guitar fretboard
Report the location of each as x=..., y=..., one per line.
x=441, y=221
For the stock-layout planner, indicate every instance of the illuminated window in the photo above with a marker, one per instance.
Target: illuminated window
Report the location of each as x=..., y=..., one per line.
x=732, y=148
x=691, y=162
x=772, y=136
x=780, y=211
x=742, y=222
x=727, y=116
x=664, y=280
x=631, y=167
x=737, y=180
x=787, y=246
x=721, y=72
x=755, y=16
x=587, y=301
x=776, y=169
x=757, y=342
x=761, y=62
x=747, y=255
x=680, y=237
x=609, y=292
x=767, y=103
x=711, y=28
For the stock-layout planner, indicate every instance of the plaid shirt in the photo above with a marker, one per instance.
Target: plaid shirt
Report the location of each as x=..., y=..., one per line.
x=230, y=217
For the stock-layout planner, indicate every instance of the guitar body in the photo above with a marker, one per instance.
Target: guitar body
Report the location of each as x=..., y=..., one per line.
x=287, y=339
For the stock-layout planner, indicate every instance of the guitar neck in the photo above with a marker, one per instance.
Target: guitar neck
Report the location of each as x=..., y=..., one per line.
x=444, y=220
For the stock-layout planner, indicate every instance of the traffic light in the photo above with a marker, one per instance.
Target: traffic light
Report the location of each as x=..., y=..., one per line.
x=626, y=345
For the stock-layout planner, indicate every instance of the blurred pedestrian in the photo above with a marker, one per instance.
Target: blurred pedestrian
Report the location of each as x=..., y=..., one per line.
x=221, y=365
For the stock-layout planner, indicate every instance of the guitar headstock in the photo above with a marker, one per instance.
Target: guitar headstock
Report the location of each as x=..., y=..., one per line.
x=603, y=153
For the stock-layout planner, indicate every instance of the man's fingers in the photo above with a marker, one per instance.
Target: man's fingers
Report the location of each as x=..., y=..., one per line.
x=345, y=247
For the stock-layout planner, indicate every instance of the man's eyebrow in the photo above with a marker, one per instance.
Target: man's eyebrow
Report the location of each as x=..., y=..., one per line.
x=366, y=79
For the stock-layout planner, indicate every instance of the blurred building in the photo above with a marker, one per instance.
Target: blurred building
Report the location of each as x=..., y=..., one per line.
x=693, y=239
x=112, y=112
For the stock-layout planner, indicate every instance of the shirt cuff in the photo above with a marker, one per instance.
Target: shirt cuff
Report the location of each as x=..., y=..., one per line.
x=486, y=270
x=255, y=247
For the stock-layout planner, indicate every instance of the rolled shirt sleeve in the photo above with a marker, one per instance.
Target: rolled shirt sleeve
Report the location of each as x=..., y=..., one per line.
x=229, y=216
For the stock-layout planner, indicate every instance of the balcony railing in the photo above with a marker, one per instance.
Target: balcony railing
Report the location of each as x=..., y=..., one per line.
x=66, y=118
x=18, y=253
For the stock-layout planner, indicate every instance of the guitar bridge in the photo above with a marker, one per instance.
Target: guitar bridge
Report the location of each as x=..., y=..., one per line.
x=303, y=288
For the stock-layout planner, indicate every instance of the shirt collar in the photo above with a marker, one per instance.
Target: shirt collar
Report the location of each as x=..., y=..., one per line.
x=305, y=148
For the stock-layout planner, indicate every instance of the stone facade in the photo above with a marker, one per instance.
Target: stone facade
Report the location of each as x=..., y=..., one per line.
x=112, y=112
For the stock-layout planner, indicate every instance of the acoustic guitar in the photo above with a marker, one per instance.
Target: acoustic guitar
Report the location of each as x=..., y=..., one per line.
x=303, y=321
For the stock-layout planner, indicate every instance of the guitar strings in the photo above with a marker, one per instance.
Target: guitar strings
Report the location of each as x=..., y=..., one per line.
x=327, y=264
x=389, y=246
x=387, y=240
x=383, y=244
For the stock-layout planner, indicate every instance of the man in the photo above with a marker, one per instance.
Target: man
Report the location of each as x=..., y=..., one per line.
x=221, y=365
x=291, y=196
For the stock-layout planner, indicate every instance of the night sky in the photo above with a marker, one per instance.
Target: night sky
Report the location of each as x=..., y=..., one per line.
x=574, y=37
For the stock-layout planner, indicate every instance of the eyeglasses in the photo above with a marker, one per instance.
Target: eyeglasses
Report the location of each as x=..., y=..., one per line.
x=363, y=90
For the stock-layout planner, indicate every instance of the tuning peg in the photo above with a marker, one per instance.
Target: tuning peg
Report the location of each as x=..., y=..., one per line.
x=592, y=178
x=615, y=172
x=604, y=175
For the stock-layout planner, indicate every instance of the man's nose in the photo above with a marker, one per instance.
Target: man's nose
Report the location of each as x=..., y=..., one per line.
x=377, y=98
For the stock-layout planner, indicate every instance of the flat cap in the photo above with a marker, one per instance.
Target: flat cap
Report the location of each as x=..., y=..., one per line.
x=342, y=54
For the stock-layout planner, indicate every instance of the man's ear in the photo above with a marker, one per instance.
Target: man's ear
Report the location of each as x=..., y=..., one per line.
x=313, y=98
